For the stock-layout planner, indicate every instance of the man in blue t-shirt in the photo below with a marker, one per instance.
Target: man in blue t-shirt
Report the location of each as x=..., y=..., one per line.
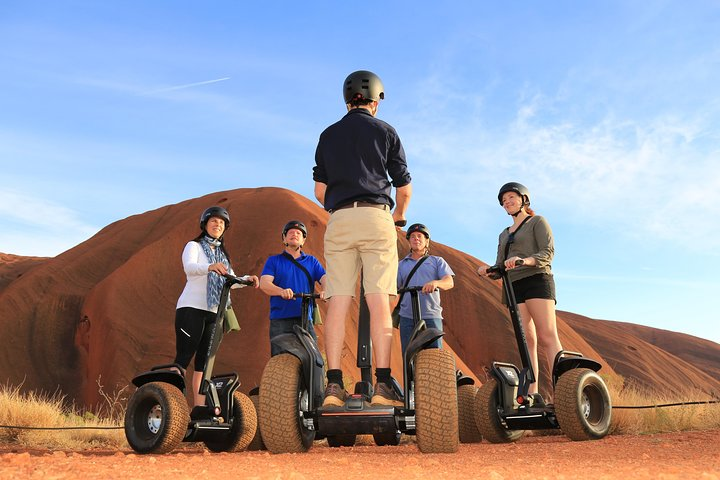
x=281, y=278
x=433, y=274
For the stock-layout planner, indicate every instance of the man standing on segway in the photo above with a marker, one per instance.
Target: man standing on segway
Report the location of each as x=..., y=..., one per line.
x=286, y=274
x=352, y=162
x=430, y=271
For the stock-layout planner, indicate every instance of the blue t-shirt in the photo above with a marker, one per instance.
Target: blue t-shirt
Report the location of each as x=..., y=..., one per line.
x=433, y=268
x=288, y=275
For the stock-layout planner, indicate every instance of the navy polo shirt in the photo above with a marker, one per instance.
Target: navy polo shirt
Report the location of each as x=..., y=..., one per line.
x=354, y=157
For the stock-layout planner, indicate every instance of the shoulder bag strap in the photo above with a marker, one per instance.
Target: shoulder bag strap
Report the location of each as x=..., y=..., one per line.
x=412, y=272
x=507, y=244
x=304, y=270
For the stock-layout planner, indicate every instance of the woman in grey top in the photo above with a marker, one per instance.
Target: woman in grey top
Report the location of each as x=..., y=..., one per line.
x=529, y=238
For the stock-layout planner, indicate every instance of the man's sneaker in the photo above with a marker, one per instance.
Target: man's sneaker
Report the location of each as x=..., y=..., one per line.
x=385, y=395
x=335, y=395
x=537, y=400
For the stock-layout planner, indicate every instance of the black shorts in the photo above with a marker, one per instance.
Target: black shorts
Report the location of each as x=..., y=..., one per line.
x=192, y=336
x=540, y=285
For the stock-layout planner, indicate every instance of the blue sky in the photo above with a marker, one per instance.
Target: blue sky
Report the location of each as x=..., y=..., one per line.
x=608, y=111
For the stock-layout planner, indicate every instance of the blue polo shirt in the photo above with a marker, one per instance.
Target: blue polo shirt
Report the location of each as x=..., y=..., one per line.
x=433, y=268
x=289, y=275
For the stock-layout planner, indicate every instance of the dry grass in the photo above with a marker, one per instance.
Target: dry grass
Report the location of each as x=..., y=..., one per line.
x=661, y=419
x=29, y=409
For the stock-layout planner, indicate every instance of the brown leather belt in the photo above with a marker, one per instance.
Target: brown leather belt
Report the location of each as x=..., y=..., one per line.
x=381, y=206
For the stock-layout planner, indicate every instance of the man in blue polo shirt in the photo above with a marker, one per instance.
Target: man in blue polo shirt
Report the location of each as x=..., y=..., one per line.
x=433, y=274
x=281, y=278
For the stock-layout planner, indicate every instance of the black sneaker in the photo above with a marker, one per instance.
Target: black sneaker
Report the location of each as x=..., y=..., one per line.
x=335, y=395
x=385, y=395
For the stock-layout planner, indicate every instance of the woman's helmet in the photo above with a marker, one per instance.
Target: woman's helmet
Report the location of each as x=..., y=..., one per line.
x=363, y=85
x=518, y=188
x=219, y=212
x=417, y=227
x=295, y=224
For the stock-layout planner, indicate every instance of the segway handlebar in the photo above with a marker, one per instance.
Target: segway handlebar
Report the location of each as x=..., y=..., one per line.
x=306, y=295
x=495, y=272
x=232, y=280
x=416, y=288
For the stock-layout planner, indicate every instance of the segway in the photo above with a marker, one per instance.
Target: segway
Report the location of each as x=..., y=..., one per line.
x=292, y=387
x=504, y=410
x=157, y=418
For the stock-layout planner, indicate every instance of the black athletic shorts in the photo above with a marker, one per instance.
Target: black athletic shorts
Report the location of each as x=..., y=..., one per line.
x=192, y=336
x=541, y=285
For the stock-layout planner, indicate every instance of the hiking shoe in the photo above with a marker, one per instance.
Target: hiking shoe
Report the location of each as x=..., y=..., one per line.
x=385, y=395
x=335, y=395
x=537, y=400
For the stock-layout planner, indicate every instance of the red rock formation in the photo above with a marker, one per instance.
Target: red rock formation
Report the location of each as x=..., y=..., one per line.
x=105, y=309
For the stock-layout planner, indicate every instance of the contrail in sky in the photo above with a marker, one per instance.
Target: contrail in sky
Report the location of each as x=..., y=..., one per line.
x=188, y=85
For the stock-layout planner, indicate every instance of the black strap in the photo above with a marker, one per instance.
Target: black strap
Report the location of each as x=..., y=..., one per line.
x=507, y=244
x=412, y=272
x=311, y=284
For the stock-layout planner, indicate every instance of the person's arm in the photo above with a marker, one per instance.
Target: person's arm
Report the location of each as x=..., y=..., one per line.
x=402, y=201
x=544, y=238
x=194, y=261
x=445, y=283
x=320, y=189
x=267, y=286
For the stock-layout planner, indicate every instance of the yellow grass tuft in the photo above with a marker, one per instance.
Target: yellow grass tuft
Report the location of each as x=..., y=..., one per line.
x=29, y=409
x=660, y=419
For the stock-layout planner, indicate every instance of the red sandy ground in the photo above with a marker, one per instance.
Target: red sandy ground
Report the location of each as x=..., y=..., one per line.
x=688, y=455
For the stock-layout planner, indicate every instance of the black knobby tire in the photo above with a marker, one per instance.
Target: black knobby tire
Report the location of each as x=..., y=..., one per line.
x=436, y=407
x=156, y=418
x=257, y=442
x=281, y=391
x=469, y=432
x=382, y=439
x=582, y=405
x=345, y=440
x=487, y=417
x=244, y=427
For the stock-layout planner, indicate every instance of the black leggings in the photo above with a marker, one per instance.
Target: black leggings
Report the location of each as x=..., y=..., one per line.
x=192, y=336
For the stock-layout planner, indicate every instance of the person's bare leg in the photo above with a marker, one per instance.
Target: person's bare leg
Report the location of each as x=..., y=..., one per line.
x=334, y=325
x=531, y=339
x=543, y=314
x=381, y=330
x=196, y=381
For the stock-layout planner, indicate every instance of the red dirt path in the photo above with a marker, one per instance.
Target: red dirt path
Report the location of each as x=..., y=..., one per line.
x=685, y=455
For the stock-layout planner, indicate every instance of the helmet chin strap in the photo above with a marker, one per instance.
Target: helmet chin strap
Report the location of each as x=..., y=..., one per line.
x=287, y=245
x=215, y=242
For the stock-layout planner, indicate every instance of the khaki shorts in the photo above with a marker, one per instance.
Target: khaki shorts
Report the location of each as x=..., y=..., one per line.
x=361, y=237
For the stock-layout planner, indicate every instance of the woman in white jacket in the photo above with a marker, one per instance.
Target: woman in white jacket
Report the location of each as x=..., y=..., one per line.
x=205, y=261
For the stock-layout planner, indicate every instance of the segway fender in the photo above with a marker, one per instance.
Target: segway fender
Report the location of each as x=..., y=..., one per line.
x=565, y=364
x=164, y=376
x=462, y=379
x=422, y=340
x=289, y=343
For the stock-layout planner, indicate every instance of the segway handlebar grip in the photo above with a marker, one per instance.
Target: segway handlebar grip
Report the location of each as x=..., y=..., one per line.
x=416, y=288
x=231, y=279
x=495, y=272
x=306, y=295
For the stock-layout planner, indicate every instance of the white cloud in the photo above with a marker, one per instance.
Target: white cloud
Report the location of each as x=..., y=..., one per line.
x=38, y=227
x=653, y=175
